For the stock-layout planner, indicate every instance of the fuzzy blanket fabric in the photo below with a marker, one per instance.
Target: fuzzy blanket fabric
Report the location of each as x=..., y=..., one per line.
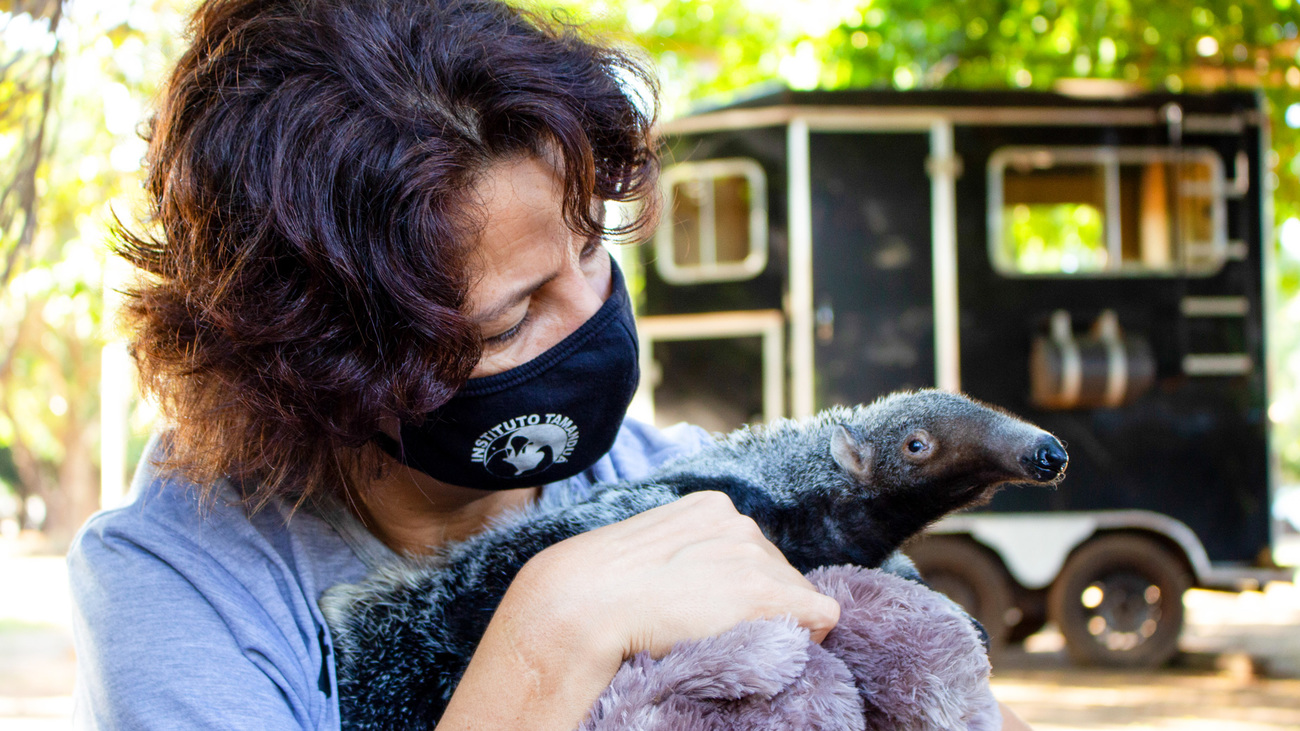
x=902, y=658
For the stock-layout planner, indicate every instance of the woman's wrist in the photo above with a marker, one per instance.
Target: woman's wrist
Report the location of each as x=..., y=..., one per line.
x=544, y=608
x=544, y=649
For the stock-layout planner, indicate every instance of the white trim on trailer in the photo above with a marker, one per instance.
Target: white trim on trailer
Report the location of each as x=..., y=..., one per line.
x=822, y=118
x=1218, y=364
x=943, y=167
x=848, y=119
x=1270, y=295
x=1223, y=306
x=767, y=324
x=709, y=269
x=1107, y=157
x=800, y=305
x=1035, y=546
x=1219, y=124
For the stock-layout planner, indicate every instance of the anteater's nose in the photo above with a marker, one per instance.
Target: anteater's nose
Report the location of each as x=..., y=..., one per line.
x=1048, y=460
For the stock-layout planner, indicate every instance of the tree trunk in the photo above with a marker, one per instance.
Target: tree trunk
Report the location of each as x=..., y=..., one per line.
x=31, y=478
x=76, y=496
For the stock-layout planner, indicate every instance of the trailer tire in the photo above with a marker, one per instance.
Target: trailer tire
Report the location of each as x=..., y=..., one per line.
x=1119, y=602
x=972, y=576
x=1033, y=614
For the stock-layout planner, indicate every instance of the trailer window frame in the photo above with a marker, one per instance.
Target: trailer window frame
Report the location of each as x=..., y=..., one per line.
x=1212, y=254
x=707, y=172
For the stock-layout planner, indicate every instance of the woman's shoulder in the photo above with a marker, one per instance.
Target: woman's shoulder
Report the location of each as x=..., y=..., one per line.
x=641, y=447
x=177, y=600
x=166, y=526
x=162, y=515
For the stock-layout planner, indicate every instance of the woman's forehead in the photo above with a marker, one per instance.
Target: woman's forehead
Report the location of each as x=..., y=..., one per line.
x=523, y=238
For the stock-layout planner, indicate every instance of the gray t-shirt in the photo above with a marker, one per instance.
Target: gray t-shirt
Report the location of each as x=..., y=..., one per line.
x=189, y=618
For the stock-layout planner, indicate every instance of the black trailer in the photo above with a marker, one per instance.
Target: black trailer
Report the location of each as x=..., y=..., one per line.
x=1094, y=264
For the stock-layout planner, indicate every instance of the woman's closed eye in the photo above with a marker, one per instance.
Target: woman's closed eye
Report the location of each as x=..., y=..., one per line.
x=590, y=248
x=508, y=335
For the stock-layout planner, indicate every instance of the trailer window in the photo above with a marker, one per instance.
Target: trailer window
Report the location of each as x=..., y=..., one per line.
x=715, y=225
x=1106, y=211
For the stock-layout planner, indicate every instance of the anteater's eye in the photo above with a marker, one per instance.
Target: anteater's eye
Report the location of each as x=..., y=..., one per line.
x=915, y=446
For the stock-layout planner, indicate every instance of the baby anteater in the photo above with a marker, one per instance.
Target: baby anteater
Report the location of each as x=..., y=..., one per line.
x=847, y=486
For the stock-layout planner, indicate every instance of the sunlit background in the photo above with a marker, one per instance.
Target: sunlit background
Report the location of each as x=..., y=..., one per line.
x=77, y=80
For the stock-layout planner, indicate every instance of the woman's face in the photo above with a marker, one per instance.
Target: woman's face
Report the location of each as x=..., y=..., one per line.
x=533, y=280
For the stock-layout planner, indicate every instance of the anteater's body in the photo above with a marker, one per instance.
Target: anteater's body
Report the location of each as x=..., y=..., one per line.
x=847, y=486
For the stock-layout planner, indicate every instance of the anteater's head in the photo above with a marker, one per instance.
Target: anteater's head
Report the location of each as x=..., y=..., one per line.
x=942, y=449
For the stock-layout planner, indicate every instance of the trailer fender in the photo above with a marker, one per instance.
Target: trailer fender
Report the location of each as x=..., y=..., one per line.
x=1034, y=546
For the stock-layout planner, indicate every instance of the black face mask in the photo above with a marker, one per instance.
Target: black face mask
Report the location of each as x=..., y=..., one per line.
x=540, y=422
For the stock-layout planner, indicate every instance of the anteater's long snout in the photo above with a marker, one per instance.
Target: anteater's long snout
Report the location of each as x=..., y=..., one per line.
x=1045, y=460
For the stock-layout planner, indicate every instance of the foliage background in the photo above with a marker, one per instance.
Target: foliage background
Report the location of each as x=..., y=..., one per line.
x=76, y=80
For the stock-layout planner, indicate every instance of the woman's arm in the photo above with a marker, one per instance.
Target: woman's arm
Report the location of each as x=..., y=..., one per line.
x=530, y=670
x=689, y=569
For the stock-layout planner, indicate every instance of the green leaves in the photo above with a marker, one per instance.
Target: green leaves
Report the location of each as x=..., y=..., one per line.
x=708, y=47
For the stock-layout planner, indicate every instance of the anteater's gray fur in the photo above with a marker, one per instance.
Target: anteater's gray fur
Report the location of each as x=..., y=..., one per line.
x=843, y=487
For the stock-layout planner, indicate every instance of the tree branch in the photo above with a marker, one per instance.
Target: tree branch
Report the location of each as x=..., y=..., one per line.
x=25, y=181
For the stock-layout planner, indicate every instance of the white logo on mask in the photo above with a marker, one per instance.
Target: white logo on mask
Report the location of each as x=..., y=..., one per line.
x=525, y=445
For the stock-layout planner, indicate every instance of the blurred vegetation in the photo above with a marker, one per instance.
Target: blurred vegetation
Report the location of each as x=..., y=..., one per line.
x=76, y=79
x=1078, y=243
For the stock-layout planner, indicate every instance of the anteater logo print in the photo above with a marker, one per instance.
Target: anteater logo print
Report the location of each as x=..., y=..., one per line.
x=525, y=445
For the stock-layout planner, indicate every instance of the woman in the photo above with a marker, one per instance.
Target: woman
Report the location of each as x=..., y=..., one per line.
x=379, y=247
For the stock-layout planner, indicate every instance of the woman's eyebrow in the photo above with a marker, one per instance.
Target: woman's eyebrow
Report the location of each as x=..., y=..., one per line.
x=507, y=303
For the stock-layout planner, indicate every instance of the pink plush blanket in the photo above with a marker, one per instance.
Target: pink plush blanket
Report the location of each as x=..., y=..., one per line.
x=903, y=658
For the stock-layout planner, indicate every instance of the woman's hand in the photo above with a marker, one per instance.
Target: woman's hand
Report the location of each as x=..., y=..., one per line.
x=686, y=570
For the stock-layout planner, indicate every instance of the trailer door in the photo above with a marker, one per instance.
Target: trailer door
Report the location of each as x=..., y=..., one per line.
x=871, y=261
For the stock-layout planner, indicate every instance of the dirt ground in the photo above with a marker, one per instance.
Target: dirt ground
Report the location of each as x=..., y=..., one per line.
x=1240, y=670
x=1214, y=694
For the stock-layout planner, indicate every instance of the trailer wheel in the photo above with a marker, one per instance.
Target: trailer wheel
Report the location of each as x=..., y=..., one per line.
x=971, y=576
x=1119, y=602
x=1033, y=614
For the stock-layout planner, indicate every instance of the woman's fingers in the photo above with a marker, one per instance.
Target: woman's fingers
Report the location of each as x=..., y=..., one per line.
x=777, y=589
x=822, y=617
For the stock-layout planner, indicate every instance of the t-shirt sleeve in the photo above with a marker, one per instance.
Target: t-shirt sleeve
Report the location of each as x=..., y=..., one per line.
x=166, y=638
x=641, y=448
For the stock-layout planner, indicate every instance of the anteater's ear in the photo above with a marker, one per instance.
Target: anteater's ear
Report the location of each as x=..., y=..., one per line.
x=853, y=456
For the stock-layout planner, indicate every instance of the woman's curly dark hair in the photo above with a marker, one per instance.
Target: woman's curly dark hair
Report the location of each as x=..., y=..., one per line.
x=309, y=165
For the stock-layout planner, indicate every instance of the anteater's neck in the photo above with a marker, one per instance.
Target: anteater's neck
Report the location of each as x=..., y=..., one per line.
x=817, y=527
x=850, y=527
x=830, y=522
